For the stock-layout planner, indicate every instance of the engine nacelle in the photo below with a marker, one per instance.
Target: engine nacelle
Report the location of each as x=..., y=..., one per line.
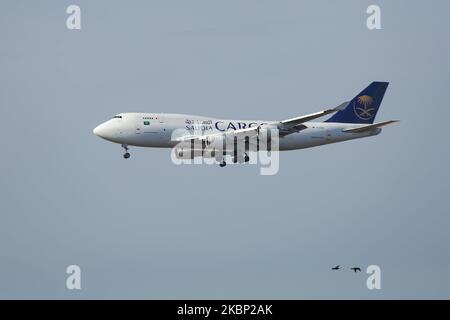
x=214, y=142
x=266, y=130
x=188, y=153
x=266, y=134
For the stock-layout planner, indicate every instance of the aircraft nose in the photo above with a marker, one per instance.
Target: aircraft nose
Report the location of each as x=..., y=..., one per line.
x=98, y=130
x=102, y=131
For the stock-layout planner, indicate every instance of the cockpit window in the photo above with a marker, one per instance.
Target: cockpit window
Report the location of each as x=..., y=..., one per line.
x=118, y=117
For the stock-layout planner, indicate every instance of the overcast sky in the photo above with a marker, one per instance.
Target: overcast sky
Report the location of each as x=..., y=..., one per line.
x=145, y=228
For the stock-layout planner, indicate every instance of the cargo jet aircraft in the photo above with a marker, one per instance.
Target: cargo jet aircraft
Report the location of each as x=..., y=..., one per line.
x=350, y=120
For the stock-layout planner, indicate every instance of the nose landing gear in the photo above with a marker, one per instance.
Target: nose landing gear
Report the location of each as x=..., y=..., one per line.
x=126, y=155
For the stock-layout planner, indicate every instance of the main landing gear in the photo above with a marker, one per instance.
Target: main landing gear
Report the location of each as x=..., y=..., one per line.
x=126, y=155
x=223, y=163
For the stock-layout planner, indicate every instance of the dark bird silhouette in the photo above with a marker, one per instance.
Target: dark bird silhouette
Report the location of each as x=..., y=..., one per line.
x=356, y=269
x=336, y=268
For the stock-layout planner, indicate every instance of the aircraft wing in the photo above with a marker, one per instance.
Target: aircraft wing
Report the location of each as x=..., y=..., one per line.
x=370, y=126
x=240, y=133
x=296, y=124
x=285, y=127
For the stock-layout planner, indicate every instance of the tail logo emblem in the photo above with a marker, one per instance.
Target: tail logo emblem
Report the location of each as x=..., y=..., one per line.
x=362, y=107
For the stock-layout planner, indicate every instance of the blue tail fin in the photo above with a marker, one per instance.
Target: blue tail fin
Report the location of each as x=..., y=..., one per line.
x=363, y=108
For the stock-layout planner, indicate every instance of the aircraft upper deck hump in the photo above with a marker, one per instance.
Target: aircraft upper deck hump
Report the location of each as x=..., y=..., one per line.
x=362, y=108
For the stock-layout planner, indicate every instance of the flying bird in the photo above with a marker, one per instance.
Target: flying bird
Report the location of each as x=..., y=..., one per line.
x=356, y=269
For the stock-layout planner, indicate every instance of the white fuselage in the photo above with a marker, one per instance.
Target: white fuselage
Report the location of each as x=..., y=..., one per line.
x=158, y=130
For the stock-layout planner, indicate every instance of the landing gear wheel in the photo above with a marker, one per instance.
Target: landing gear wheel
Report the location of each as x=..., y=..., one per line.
x=126, y=155
x=246, y=158
x=222, y=164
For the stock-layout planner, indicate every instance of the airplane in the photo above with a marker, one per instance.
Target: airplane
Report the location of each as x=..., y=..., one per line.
x=350, y=120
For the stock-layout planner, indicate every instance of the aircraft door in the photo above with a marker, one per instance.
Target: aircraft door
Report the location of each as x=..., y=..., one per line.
x=138, y=129
x=328, y=134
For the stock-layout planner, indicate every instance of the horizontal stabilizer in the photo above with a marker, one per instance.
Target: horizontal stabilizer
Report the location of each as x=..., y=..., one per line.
x=370, y=126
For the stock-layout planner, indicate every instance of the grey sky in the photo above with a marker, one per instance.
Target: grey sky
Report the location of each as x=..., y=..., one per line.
x=145, y=228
